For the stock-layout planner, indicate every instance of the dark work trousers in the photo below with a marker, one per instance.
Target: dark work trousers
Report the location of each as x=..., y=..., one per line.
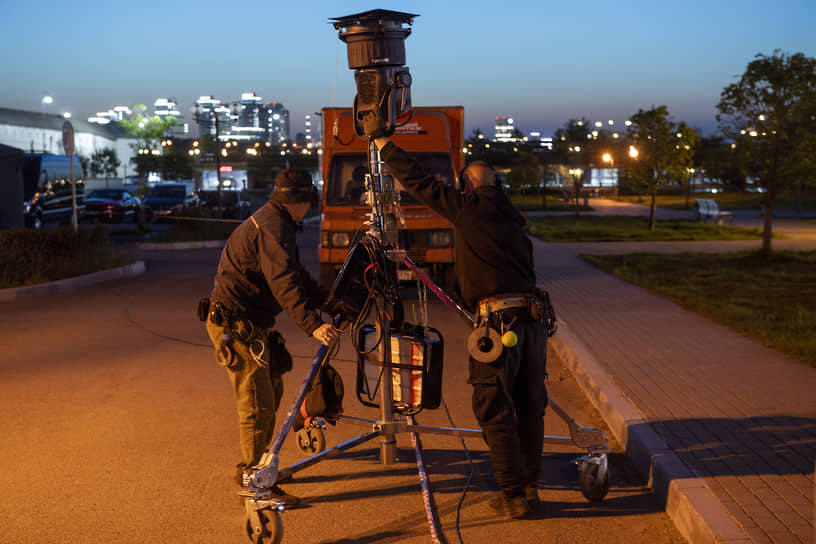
x=257, y=391
x=509, y=398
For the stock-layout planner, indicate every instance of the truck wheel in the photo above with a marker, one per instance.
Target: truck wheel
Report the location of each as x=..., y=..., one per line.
x=37, y=222
x=327, y=275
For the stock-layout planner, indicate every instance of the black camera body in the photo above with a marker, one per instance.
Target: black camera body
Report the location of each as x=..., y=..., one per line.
x=376, y=53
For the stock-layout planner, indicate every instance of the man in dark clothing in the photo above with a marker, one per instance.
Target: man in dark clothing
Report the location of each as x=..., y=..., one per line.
x=259, y=276
x=496, y=279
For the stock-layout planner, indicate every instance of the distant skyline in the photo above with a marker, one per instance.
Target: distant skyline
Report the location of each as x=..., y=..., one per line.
x=540, y=62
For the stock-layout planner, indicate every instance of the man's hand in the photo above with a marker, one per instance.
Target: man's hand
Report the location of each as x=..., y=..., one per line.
x=326, y=334
x=373, y=125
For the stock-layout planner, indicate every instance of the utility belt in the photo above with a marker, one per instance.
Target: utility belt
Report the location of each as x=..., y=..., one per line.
x=265, y=346
x=537, y=305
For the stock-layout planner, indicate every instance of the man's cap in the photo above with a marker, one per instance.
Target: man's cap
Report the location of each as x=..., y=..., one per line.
x=292, y=186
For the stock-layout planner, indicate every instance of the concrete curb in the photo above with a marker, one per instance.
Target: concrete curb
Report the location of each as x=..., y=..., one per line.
x=695, y=511
x=69, y=284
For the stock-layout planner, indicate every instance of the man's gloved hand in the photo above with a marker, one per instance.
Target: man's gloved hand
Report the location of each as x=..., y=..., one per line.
x=373, y=125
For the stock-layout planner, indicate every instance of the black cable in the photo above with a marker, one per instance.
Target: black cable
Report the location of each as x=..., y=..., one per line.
x=469, y=478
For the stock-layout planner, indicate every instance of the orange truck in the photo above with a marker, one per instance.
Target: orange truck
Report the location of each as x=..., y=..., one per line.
x=434, y=137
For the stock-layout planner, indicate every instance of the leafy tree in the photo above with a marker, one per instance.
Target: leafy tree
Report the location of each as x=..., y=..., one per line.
x=525, y=172
x=147, y=131
x=175, y=164
x=770, y=114
x=104, y=162
x=688, y=141
x=718, y=159
x=572, y=149
x=665, y=151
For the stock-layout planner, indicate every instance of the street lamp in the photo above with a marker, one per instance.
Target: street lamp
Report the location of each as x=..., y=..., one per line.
x=234, y=111
x=45, y=99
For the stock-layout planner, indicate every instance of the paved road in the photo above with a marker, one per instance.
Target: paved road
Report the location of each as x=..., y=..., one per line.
x=118, y=427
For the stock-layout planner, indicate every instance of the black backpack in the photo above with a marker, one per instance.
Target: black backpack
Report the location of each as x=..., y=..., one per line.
x=324, y=399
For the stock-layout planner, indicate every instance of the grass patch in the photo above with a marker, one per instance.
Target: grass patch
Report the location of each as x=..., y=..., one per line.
x=770, y=298
x=615, y=228
x=30, y=257
x=726, y=201
x=554, y=204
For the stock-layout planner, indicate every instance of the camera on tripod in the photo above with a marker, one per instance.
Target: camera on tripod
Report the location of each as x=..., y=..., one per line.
x=376, y=53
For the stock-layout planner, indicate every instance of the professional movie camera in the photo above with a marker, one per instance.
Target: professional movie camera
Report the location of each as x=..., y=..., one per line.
x=376, y=53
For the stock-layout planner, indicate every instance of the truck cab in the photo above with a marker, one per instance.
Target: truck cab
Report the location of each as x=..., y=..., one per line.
x=434, y=137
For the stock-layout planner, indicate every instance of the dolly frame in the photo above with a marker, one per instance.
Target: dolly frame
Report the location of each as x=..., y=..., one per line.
x=264, y=524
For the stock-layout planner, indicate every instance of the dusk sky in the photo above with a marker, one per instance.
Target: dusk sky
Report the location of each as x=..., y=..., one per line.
x=541, y=62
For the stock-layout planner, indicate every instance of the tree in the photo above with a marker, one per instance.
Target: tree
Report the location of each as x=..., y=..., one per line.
x=572, y=147
x=687, y=143
x=665, y=151
x=148, y=131
x=770, y=114
x=525, y=172
x=104, y=162
x=718, y=159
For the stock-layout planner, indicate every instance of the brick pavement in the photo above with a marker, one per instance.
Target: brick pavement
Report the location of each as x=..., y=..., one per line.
x=723, y=428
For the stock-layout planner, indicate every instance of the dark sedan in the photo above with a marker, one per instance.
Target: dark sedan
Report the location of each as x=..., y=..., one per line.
x=111, y=205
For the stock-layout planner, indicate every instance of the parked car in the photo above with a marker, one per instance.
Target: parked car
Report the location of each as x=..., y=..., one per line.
x=111, y=205
x=167, y=199
x=47, y=194
x=234, y=204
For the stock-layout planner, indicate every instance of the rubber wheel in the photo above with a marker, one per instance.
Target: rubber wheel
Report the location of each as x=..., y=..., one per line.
x=271, y=528
x=594, y=485
x=311, y=440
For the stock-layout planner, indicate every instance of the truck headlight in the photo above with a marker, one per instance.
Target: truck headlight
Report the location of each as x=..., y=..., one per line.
x=340, y=239
x=440, y=238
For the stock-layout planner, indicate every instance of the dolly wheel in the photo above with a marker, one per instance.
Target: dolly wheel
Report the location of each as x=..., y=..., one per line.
x=593, y=477
x=269, y=530
x=311, y=440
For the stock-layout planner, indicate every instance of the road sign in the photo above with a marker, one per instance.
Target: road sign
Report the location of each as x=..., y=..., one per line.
x=68, y=137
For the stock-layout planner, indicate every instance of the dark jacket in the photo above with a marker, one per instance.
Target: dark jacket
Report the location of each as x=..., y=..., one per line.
x=492, y=253
x=260, y=273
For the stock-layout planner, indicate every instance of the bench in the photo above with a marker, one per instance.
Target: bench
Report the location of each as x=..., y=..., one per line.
x=707, y=209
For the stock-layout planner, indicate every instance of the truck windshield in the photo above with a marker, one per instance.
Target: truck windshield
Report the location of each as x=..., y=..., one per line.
x=347, y=183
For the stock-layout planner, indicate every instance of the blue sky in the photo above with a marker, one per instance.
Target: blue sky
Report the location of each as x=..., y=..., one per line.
x=541, y=62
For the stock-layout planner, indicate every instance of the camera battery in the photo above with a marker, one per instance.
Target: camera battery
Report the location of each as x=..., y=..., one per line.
x=415, y=373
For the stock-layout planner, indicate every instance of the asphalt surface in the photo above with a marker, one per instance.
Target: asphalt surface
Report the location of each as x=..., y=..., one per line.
x=118, y=427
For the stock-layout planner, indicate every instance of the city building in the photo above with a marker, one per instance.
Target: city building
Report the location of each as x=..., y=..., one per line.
x=249, y=124
x=277, y=123
x=167, y=107
x=38, y=132
x=208, y=110
x=113, y=115
x=535, y=139
x=505, y=130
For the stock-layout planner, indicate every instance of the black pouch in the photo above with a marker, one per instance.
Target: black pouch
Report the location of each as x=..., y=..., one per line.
x=324, y=399
x=280, y=357
x=203, y=309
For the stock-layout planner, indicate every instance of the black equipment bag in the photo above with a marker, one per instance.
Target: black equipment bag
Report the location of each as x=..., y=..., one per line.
x=416, y=368
x=324, y=399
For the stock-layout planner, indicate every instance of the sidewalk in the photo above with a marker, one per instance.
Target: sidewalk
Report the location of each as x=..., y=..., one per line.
x=723, y=428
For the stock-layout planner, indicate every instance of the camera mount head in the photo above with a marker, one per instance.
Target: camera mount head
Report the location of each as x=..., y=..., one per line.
x=376, y=53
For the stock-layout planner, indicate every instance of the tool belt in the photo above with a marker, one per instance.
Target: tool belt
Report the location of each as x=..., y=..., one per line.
x=264, y=346
x=538, y=305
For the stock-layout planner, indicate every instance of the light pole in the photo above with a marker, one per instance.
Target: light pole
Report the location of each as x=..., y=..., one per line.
x=214, y=116
x=45, y=99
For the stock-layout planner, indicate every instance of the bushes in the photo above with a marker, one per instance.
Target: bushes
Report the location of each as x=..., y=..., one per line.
x=28, y=257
